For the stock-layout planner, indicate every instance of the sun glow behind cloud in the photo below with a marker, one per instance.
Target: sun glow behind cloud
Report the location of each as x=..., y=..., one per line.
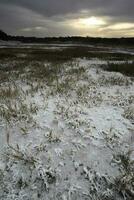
x=40, y=18
x=80, y=24
x=94, y=26
x=91, y=21
x=100, y=26
x=87, y=23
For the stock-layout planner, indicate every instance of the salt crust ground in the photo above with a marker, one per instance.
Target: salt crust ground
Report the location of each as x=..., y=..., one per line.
x=74, y=141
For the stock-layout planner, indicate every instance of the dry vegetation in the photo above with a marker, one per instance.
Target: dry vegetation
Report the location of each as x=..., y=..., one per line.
x=42, y=85
x=126, y=68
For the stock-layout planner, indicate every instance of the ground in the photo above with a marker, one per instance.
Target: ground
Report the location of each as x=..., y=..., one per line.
x=66, y=122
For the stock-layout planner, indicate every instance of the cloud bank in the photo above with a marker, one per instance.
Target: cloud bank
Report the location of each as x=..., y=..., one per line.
x=104, y=18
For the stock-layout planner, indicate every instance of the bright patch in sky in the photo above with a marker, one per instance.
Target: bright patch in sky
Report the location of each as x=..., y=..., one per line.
x=92, y=21
x=120, y=26
x=88, y=23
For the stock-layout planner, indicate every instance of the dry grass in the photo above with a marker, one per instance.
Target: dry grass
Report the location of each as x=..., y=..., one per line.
x=125, y=68
x=125, y=180
x=63, y=55
x=114, y=79
x=57, y=72
x=129, y=112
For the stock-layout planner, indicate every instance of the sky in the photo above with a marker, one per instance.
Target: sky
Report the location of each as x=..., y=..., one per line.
x=43, y=18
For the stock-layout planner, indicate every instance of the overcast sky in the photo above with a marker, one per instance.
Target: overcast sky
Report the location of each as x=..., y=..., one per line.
x=104, y=18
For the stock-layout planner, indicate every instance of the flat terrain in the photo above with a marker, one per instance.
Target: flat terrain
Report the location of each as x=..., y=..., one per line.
x=66, y=122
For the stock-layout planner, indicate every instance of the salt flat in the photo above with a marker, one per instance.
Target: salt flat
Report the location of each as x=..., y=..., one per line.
x=66, y=126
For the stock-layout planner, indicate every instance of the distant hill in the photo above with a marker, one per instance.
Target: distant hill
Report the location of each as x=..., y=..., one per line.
x=68, y=40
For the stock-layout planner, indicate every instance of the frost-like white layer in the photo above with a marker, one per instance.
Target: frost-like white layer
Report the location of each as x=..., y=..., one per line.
x=67, y=154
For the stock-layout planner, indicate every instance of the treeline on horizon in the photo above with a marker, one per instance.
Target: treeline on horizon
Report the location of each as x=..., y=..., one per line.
x=69, y=39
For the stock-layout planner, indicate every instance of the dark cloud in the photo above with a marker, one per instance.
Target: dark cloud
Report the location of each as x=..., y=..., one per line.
x=56, y=7
x=47, y=17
